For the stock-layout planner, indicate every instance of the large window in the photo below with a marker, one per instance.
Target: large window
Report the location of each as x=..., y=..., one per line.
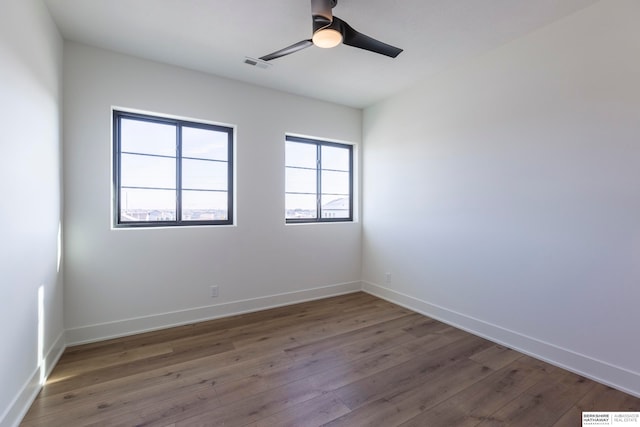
x=171, y=172
x=319, y=181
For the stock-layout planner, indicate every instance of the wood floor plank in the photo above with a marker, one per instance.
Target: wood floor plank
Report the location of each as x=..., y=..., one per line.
x=67, y=370
x=410, y=374
x=479, y=401
x=355, y=370
x=402, y=403
x=423, y=326
x=257, y=406
x=313, y=412
x=379, y=331
x=297, y=335
x=89, y=407
x=220, y=368
x=59, y=382
x=496, y=357
x=320, y=367
x=542, y=404
x=159, y=411
x=351, y=360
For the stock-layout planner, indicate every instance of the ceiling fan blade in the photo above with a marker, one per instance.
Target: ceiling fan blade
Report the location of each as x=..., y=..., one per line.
x=354, y=38
x=287, y=50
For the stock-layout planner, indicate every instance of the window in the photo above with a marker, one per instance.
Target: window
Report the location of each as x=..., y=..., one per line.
x=319, y=181
x=170, y=172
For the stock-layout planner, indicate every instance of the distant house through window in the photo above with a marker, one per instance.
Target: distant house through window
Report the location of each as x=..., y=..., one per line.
x=170, y=172
x=319, y=181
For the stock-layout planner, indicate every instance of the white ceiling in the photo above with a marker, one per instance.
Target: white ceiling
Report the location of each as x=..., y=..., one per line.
x=215, y=36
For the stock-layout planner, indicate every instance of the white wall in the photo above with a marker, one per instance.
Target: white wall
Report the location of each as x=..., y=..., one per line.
x=30, y=184
x=504, y=196
x=123, y=281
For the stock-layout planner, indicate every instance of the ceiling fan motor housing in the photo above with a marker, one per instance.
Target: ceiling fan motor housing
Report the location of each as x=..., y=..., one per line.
x=321, y=10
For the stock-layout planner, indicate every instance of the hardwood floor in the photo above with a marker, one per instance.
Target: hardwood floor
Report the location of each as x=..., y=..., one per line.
x=352, y=360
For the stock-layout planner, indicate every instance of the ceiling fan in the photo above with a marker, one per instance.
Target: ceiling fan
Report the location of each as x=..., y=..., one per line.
x=329, y=31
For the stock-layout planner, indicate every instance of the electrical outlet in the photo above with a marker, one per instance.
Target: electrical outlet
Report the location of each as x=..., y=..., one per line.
x=387, y=278
x=214, y=292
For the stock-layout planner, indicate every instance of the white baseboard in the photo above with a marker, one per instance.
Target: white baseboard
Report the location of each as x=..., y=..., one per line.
x=22, y=402
x=602, y=372
x=103, y=331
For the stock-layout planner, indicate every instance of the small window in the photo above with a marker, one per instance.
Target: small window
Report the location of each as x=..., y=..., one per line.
x=319, y=181
x=170, y=172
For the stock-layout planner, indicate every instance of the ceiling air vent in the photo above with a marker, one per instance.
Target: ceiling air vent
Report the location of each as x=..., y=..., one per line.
x=256, y=62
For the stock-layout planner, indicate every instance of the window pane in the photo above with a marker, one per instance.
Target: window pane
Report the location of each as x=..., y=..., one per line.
x=204, y=144
x=300, y=181
x=335, y=207
x=300, y=206
x=303, y=159
x=147, y=171
x=204, y=175
x=335, y=182
x=139, y=136
x=204, y=205
x=335, y=158
x=166, y=166
x=147, y=205
x=301, y=155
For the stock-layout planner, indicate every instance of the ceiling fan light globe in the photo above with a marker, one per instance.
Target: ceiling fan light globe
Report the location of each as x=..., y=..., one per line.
x=327, y=38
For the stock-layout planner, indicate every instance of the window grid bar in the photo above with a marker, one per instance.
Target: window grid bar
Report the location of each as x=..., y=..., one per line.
x=335, y=170
x=179, y=173
x=133, y=187
x=205, y=190
x=301, y=168
x=205, y=160
x=300, y=192
x=318, y=182
x=134, y=153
